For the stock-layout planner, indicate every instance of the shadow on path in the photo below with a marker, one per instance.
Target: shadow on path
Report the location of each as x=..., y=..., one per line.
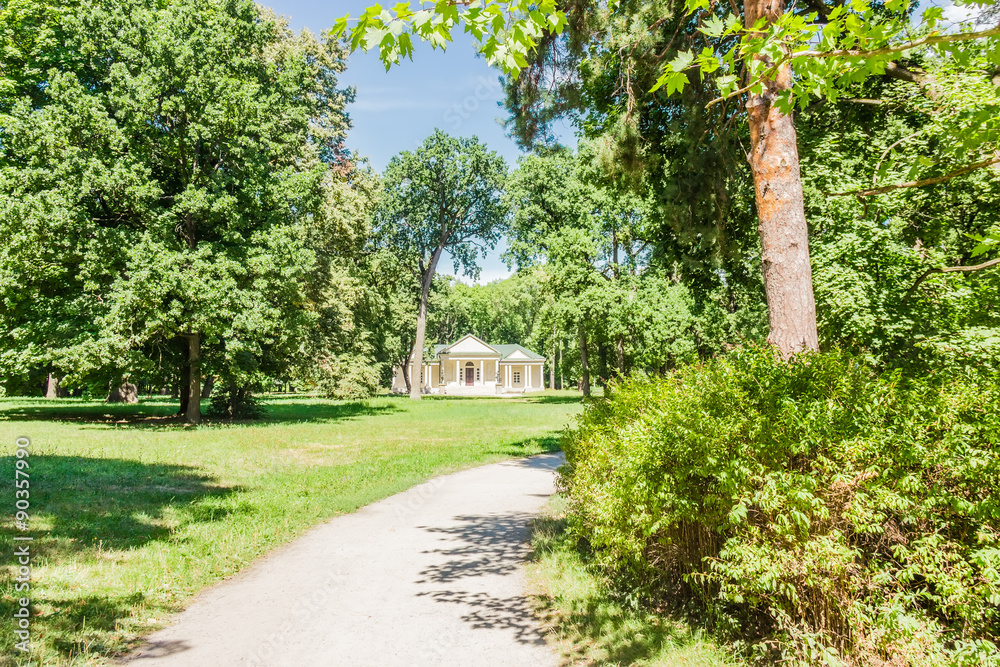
x=482, y=546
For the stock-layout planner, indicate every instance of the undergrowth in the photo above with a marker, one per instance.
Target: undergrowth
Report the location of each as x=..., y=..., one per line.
x=588, y=625
x=814, y=512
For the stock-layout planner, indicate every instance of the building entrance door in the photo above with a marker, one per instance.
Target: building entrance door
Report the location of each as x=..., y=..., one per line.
x=470, y=376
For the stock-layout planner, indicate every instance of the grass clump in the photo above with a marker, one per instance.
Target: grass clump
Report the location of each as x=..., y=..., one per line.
x=587, y=624
x=817, y=512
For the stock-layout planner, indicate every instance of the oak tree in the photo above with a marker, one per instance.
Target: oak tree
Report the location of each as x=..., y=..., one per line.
x=443, y=197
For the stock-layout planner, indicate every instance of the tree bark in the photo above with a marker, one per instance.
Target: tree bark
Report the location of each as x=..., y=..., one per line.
x=426, y=280
x=206, y=390
x=417, y=356
x=192, y=414
x=784, y=233
x=126, y=392
x=52, y=386
x=584, y=367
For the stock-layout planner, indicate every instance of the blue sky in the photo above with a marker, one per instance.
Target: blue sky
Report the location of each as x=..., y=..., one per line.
x=455, y=91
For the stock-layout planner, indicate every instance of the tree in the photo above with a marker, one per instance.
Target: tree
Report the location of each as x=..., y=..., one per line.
x=445, y=196
x=503, y=311
x=763, y=41
x=588, y=233
x=162, y=187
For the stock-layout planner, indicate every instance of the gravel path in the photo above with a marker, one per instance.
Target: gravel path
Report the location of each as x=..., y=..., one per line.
x=431, y=576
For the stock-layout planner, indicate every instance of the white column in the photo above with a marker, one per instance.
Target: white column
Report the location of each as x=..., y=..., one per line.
x=458, y=380
x=528, y=386
x=506, y=377
x=482, y=373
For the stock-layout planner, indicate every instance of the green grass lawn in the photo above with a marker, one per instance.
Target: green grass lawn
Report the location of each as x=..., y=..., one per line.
x=133, y=512
x=588, y=626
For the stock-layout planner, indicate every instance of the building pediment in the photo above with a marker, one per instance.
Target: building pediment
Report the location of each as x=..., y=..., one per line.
x=470, y=346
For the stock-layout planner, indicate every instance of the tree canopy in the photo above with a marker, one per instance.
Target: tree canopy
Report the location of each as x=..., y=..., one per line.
x=445, y=196
x=156, y=196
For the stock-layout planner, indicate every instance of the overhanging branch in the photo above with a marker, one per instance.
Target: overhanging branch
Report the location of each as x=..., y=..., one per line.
x=950, y=269
x=902, y=46
x=918, y=184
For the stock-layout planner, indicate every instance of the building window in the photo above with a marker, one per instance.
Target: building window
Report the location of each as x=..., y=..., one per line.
x=517, y=377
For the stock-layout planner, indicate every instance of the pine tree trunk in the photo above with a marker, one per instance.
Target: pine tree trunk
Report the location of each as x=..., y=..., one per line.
x=584, y=367
x=192, y=414
x=784, y=233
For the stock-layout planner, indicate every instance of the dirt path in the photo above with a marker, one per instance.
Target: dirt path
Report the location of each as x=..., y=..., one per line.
x=431, y=576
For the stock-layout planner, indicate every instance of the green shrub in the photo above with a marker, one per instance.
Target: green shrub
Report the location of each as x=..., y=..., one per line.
x=235, y=402
x=813, y=512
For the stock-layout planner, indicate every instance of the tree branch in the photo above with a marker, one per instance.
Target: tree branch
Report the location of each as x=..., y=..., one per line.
x=902, y=46
x=950, y=269
x=918, y=184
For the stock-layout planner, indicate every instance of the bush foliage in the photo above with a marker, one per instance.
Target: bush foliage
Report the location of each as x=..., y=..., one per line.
x=815, y=512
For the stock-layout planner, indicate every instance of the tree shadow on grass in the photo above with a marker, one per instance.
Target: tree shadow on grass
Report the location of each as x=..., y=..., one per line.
x=289, y=410
x=550, y=399
x=109, y=504
x=529, y=446
x=85, y=510
x=160, y=413
x=556, y=399
x=594, y=628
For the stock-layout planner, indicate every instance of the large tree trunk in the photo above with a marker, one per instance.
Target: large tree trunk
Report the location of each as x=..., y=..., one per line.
x=584, y=367
x=417, y=356
x=193, y=413
x=426, y=280
x=126, y=392
x=52, y=386
x=406, y=374
x=784, y=234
